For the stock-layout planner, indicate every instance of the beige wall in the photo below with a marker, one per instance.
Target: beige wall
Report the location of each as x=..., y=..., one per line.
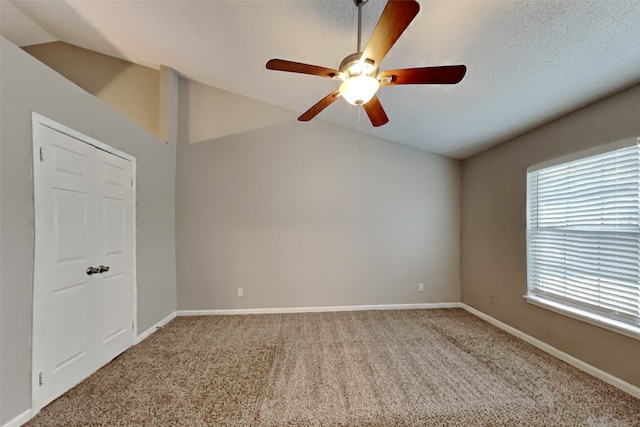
x=229, y=114
x=302, y=215
x=494, y=240
x=131, y=89
x=27, y=85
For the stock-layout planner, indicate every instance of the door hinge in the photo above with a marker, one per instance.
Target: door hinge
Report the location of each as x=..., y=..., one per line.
x=133, y=326
x=41, y=378
x=41, y=154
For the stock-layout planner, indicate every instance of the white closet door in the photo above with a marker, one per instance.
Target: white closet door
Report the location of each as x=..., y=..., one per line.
x=115, y=293
x=83, y=281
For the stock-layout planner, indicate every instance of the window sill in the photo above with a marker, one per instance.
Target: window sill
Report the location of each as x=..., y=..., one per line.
x=585, y=316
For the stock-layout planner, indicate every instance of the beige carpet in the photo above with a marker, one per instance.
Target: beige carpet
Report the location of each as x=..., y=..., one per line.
x=369, y=368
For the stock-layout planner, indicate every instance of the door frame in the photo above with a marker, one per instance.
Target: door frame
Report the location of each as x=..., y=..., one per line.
x=38, y=120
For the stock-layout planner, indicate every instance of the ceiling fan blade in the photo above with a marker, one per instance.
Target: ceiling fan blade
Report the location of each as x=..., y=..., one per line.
x=449, y=74
x=375, y=112
x=395, y=18
x=298, y=67
x=320, y=105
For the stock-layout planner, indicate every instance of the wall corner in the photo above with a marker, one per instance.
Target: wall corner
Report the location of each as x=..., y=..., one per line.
x=168, y=105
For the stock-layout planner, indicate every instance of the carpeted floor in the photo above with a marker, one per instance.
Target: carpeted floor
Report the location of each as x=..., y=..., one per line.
x=370, y=368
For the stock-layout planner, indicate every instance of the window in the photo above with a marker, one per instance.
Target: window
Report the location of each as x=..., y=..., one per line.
x=583, y=236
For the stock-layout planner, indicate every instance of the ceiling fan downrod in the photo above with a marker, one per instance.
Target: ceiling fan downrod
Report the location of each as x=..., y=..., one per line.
x=359, y=4
x=359, y=71
x=355, y=64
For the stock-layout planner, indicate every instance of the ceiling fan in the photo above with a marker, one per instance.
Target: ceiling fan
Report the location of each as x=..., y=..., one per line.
x=359, y=71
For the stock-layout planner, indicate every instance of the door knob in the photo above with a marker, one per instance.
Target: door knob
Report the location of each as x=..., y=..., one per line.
x=103, y=268
x=92, y=270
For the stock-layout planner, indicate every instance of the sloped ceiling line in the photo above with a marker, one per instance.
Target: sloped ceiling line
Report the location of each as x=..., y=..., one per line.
x=528, y=61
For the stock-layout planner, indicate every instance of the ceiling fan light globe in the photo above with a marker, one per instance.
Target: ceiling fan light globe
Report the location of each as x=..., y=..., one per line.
x=359, y=90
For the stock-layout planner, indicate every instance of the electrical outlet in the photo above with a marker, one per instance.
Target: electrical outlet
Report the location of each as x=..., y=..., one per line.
x=240, y=292
x=492, y=299
x=421, y=287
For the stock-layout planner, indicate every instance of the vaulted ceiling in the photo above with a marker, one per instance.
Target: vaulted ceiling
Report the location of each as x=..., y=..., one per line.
x=528, y=61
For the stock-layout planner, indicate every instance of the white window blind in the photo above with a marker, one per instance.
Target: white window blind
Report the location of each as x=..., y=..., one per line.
x=583, y=233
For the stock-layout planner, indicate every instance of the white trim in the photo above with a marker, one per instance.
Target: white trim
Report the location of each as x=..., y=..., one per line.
x=134, y=244
x=59, y=127
x=601, y=149
x=317, y=309
x=631, y=331
x=38, y=120
x=575, y=362
x=20, y=419
x=155, y=327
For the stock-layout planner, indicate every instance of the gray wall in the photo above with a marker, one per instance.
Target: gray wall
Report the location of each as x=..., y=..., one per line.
x=27, y=85
x=302, y=215
x=494, y=239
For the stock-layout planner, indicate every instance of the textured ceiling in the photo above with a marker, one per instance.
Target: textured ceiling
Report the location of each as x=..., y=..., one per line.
x=528, y=61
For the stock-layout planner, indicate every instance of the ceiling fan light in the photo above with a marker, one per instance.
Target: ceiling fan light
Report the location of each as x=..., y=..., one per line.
x=359, y=90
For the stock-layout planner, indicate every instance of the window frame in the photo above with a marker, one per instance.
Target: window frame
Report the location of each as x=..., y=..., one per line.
x=569, y=310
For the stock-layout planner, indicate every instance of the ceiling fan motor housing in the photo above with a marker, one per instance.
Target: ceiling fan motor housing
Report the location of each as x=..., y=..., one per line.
x=359, y=71
x=358, y=75
x=356, y=65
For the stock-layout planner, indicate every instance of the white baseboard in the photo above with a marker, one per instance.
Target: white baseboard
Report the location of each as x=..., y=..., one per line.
x=316, y=309
x=20, y=419
x=583, y=366
x=155, y=327
x=28, y=414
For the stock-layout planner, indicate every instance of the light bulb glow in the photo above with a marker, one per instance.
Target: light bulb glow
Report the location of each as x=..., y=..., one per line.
x=359, y=90
x=361, y=67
